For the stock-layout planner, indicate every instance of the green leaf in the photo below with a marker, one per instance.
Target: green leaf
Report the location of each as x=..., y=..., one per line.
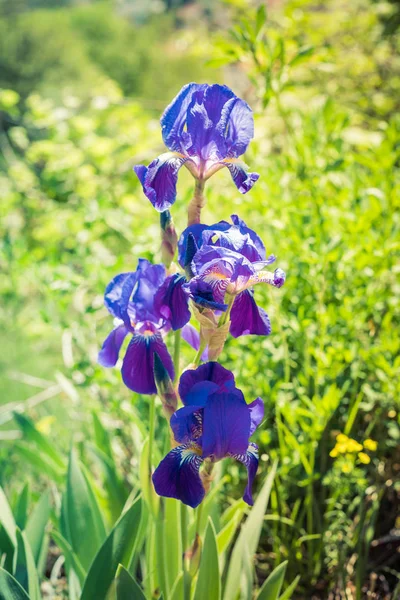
x=287, y=594
x=7, y=519
x=36, y=526
x=209, y=581
x=101, y=437
x=225, y=536
x=117, y=549
x=34, y=435
x=261, y=18
x=10, y=589
x=302, y=55
x=85, y=523
x=126, y=587
x=248, y=539
x=71, y=558
x=273, y=584
x=172, y=533
x=24, y=567
x=177, y=592
x=39, y=461
x=21, y=508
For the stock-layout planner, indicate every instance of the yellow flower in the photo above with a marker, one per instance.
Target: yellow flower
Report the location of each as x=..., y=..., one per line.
x=341, y=438
x=353, y=446
x=334, y=452
x=364, y=458
x=370, y=445
x=347, y=467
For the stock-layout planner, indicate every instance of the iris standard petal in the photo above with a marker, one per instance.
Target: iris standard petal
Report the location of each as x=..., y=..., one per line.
x=159, y=179
x=250, y=460
x=118, y=293
x=211, y=371
x=172, y=301
x=177, y=475
x=233, y=239
x=226, y=424
x=138, y=364
x=247, y=318
x=173, y=120
x=109, y=352
x=243, y=180
x=239, y=129
x=256, y=409
x=257, y=241
x=187, y=424
x=150, y=278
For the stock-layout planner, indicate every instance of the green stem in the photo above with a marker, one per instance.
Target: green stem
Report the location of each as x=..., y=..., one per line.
x=226, y=315
x=177, y=351
x=152, y=418
x=197, y=358
x=198, y=521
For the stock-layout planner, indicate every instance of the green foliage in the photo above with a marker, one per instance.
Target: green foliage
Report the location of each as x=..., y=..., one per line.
x=72, y=215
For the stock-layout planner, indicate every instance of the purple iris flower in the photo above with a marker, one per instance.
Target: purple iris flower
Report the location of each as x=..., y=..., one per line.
x=215, y=422
x=146, y=305
x=227, y=260
x=206, y=127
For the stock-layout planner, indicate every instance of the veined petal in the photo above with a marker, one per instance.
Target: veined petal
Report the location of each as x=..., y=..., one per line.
x=109, y=352
x=256, y=409
x=150, y=278
x=118, y=293
x=172, y=301
x=159, y=179
x=138, y=364
x=174, y=117
x=277, y=278
x=250, y=460
x=243, y=180
x=257, y=241
x=187, y=424
x=177, y=475
x=237, y=126
x=209, y=372
x=226, y=424
x=195, y=231
x=247, y=318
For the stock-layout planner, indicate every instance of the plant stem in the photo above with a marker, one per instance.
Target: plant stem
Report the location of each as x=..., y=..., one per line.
x=197, y=203
x=177, y=351
x=152, y=416
x=200, y=351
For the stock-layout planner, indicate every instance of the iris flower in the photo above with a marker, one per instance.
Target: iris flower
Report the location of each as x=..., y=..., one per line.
x=226, y=261
x=205, y=128
x=215, y=422
x=137, y=301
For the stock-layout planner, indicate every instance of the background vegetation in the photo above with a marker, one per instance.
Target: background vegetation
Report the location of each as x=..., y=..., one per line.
x=83, y=85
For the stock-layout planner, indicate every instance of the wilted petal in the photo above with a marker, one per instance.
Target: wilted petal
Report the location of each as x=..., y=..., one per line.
x=177, y=475
x=209, y=372
x=250, y=460
x=138, y=364
x=256, y=409
x=109, y=352
x=248, y=318
x=243, y=180
x=172, y=301
x=226, y=424
x=159, y=179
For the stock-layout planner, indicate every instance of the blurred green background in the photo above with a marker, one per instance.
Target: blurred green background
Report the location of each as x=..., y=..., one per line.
x=82, y=86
